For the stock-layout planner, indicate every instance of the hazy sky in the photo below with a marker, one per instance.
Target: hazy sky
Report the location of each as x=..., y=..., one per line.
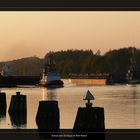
x=24, y=34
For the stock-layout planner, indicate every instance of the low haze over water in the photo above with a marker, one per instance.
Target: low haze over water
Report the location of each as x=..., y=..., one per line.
x=121, y=104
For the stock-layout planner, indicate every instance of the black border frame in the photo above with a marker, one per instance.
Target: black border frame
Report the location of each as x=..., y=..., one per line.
x=71, y=5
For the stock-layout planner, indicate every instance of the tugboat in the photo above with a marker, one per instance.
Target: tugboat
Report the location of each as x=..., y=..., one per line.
x=133, y=74
x=50, y=76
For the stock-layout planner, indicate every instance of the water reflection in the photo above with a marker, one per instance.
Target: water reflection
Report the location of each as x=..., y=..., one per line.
x=134, y=97
x=44, y=94
x=51, y=94
x=121, y=104
x=48, y=94
x=3, y=114
x=18, y=121
x=2, y=119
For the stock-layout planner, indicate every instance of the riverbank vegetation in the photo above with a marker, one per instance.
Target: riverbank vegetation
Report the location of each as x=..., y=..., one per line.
x=77, y=61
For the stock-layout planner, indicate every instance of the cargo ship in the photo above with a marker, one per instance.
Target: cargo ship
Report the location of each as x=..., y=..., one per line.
x=89, y=79
x=133, y=73
x=50, y=77
x=8, y=80
x=132, y=76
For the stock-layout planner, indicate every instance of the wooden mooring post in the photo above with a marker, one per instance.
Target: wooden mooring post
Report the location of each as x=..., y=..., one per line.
x=90, y=119
x=47, y=118
x=3, y=104
x=18, y=109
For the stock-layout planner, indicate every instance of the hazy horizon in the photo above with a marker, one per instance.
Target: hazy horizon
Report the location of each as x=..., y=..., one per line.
x=26, y=34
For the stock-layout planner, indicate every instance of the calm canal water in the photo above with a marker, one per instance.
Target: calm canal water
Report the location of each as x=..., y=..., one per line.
x=121, y=104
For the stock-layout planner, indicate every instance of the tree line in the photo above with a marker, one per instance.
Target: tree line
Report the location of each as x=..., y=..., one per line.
x=77, y=62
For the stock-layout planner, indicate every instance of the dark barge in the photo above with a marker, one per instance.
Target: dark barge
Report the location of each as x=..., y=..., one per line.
x=14, y=81
x=101, y=78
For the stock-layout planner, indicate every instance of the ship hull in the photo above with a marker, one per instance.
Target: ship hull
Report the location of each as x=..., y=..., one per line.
x=14, y=81
x=134, y=82
x=54, y=84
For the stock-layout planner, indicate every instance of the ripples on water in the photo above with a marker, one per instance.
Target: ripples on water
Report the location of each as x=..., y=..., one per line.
x=121, y=104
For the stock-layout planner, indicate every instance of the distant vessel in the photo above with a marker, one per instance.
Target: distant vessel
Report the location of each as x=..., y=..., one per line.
x=8, y=80
x=88, y=79
x=50, y=76
x=133, y=74
x=89, y=76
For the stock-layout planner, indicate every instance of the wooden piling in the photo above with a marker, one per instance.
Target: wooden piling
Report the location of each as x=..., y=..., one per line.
x=3, y=104
x=18, y=109
x=89, y=119
x=18, y=120
x=47, y=117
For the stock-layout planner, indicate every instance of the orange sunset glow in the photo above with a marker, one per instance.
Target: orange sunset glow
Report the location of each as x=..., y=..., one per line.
x=24, y=34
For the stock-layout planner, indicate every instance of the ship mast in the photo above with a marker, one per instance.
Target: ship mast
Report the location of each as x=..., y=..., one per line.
x=132, y=67
x=50, y=65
